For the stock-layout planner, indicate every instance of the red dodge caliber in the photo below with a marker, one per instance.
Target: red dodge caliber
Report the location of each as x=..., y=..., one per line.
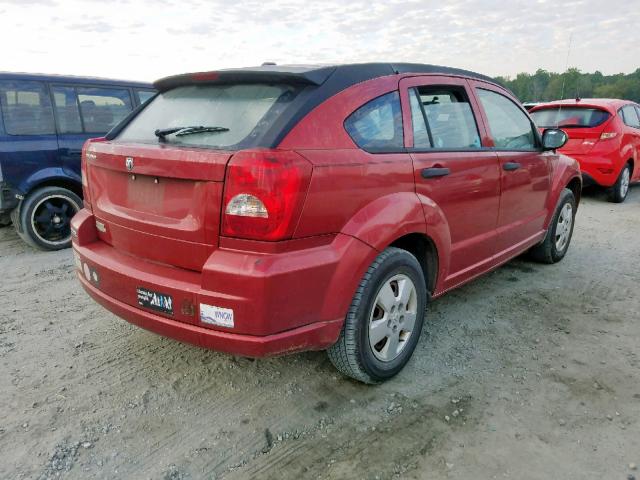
x=270, y=210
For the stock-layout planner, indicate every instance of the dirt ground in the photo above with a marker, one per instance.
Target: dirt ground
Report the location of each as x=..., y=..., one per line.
x=531, y=372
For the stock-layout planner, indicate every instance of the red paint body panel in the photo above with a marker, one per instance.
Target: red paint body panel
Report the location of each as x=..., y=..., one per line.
x=161, y=229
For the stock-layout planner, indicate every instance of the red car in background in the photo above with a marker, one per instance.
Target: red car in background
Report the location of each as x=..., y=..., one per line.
x=270, y=210
x=604, y=136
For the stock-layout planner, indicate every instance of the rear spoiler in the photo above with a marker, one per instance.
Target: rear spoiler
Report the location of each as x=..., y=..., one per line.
x=293, y=75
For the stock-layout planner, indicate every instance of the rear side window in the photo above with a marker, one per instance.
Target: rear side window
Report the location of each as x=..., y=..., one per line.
x=377, y=124
x=630, y=116
x=26, y=108
x=242, y=112
x=103, y=108
x=67, y=111
x=510, y=127
x=442, y=118
x=569, y=117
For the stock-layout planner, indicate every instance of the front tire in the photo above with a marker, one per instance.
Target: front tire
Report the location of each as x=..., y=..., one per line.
x=45, y=217
x=383, y=325
x=620, y=189
x=556, y=242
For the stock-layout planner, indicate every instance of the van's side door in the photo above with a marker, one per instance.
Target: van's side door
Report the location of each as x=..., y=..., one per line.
x=29, y=145
x=524, y=169
x=83, y=112
x=454, y=168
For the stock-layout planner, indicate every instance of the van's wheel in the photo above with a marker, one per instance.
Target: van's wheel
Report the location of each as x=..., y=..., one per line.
x=45, y=217
x=556, y=242
x=383, y=324
x=620, y=189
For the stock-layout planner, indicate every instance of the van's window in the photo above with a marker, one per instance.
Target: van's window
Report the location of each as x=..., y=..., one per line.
x=103, y=108
x=144, y=95
x=443, y=118
x=630, y=117
x=569, y=117
x=26, y=108
x=67, y=112
x=377, y=124
x=244, y=112
x=510, y=127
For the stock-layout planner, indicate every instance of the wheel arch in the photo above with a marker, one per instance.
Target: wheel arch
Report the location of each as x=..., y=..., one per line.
x=424, y=249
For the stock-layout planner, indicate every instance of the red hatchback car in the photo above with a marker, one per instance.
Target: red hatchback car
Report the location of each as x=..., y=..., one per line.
x=271, y=210
x=604, y=136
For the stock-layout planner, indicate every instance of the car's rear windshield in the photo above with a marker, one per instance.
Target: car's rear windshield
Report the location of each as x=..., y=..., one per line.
x=232, y=116
x=569, y=117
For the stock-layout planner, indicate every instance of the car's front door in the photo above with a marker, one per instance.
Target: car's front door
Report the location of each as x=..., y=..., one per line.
x=524, y=169
x=453, y=168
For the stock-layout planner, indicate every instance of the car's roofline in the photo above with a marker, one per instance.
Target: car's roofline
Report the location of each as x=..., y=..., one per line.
x=345, y=74
x=54, y=78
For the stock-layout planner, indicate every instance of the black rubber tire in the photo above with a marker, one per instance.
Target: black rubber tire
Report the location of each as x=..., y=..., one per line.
x=352, y=354
x=614, y=195
x=546, y=251
x=24, y=214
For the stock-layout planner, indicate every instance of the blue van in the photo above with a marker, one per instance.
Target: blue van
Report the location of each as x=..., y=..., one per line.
x=44, y=121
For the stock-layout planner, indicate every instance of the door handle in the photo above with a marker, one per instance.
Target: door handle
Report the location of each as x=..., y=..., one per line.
x=509, y=166
x=435, y=172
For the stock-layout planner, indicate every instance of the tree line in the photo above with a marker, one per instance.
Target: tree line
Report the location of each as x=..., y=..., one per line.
x=544, y=86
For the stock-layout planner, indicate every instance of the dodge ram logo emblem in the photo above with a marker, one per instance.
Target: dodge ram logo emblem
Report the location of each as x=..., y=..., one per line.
x=129, y=163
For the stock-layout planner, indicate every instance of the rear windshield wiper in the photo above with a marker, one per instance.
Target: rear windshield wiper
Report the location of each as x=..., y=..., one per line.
x=161, y=133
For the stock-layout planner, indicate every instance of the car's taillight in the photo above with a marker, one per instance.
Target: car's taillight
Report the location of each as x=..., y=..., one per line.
x=263, y=194
x=608, y=135
x=86, y=153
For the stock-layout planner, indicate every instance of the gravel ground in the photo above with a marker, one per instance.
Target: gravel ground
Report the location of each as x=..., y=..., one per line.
x=531, y=372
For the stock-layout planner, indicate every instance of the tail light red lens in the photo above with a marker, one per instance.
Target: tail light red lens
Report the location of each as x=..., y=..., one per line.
x=263, y=194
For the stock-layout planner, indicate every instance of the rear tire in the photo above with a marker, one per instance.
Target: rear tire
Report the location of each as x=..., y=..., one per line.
x=383, y=325
x=45, y=217
x=556, y=242
x=620, y=189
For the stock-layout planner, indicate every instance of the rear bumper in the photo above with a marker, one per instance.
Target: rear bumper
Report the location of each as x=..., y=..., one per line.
x=281, y=302
x=601, y=170
x=316, y=336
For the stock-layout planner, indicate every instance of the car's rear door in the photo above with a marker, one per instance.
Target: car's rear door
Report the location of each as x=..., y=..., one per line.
x=453, y=168
x=524, y=170
x=83, y=112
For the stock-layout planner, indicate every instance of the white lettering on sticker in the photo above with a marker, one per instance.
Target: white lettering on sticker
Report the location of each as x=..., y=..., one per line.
x=212, y=315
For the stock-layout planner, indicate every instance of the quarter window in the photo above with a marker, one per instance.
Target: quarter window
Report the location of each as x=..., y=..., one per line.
x=630, y=116
x=377, y=124
x=103, y=108
x=26, y=108
x=510, y=128
x=442, y=118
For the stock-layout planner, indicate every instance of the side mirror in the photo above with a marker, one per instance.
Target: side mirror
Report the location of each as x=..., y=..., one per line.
x=553, y=138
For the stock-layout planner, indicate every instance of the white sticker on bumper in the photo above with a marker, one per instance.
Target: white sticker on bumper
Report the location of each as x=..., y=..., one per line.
x=222, y=317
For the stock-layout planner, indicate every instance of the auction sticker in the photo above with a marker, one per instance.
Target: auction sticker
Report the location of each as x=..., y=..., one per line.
x=155, y=300
x=212, y=315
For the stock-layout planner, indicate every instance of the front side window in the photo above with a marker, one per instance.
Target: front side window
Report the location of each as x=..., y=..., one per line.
x=26, y=108
x=510, y=128
x=442, y=118
x=630, y=117
x=234, y=116
x=377, y=124
x=569, y=117
x=103, y=108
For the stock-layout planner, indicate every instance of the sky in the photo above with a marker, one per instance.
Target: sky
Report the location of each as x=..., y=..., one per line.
x=149, y=39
